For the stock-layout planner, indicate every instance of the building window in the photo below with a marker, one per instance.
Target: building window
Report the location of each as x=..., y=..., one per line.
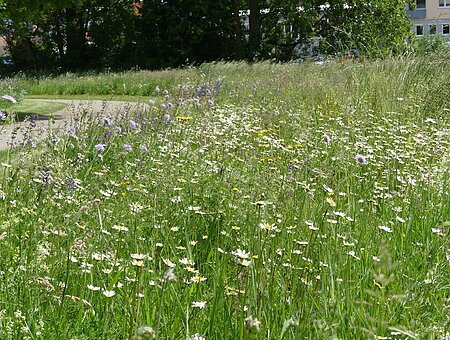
x=432, y=29
x=420, y=4
x=445, y=29
x=444, y=3
x=419, y=30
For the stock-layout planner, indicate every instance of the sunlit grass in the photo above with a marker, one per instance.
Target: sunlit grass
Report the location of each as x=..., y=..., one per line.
x=108, y=97
x=266, y=201
x=30, y=107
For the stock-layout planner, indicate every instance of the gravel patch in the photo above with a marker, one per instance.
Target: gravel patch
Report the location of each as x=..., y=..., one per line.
x=13, y=134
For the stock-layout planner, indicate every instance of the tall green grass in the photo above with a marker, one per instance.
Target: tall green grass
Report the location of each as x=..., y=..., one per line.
x=141, y=83
x=379, y=85
x=286, y=202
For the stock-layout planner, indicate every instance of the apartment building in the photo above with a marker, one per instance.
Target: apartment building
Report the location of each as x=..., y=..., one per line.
x=430, y=17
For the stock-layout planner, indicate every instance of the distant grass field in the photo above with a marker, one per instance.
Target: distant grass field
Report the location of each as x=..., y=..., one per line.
x=141, y=83
x=376, y=84
x=265, y=201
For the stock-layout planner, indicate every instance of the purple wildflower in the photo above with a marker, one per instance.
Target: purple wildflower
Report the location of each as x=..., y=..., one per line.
x=100, y=147
x=167, y=118
x=2, y=115
x=218, y=83
x=70, y=184
x=151, y=101
x=164, y=106
x=9, y=98
x=127, y=147
x=133, y=124
x=105, y=121
x=143, y=148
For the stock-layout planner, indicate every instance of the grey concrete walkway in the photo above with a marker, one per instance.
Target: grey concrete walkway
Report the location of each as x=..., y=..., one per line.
x=14, y=134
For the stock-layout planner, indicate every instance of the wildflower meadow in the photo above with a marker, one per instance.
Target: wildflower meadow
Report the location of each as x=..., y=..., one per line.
x=264, y=201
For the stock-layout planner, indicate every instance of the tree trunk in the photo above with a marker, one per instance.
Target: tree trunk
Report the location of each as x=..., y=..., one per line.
x=254, y=22
x=28, y=48
x=76, y=38
x=237, y=29
x=59, y=38
x=237, y=20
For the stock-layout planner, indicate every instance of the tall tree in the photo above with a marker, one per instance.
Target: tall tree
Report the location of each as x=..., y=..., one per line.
x=284, y=25
x=68, y=33
x=185, y=31
x=162, y=33
x=373, y=27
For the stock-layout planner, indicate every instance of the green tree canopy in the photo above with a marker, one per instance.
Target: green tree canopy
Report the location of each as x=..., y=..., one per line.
x=159, y=33
x=373, y=27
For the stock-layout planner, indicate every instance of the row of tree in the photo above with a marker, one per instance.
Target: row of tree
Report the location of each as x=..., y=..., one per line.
x=73, y=34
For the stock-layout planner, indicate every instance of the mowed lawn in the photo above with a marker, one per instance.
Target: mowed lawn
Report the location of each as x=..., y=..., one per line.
x=263, y=201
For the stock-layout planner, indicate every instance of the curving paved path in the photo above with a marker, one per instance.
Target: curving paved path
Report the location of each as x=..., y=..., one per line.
x=13, y=134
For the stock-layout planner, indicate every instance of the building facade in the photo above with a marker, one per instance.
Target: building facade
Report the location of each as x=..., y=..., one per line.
x=430, y=17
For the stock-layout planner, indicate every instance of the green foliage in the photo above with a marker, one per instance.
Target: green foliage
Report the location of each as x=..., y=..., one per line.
x=358, y=25
x=283, y=27
x=98, y=34
x=375, y=28
x=184, y=32
x=435, y=46
x=68, y=34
